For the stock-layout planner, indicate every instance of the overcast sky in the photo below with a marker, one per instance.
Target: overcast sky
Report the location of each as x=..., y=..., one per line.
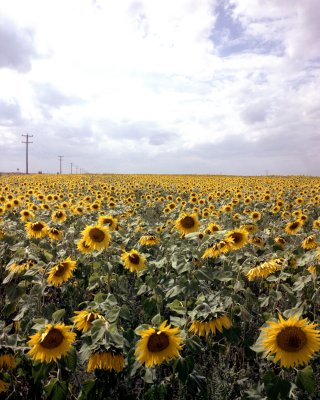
x=170, y=86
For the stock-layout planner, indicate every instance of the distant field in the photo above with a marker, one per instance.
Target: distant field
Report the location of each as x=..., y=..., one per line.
x=157, y=287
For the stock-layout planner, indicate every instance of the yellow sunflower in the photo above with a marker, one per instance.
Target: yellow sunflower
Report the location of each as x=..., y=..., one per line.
x=61, y=272
x=25, y=215
x=108, y=220
x=237, y=238
x=293, y=227
x=133, y=260
x=52, y=343
x=54, y=233
x=7, y=361
x=310, y=243
x=219, y=248
x=149, y=240
x=83, y=247
x=96, y=236
x=280, y=241
x=106, y=360
x=158, y=345
x=293, y=341
x=84, y=319
x=265, y=269
x=187, y=223
x=250, y=228
x=59, y=216
x=36, y=229
x=255, y=215
x=316, y=224
x=205, y=328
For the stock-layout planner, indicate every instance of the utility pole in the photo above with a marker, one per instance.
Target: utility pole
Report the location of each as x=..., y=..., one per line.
x=27, y=150
x=60, y=158
x=71, y=167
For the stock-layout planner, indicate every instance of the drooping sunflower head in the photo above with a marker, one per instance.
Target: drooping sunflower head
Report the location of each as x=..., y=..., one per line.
x=293, y=341
x=133, y=261
x=237, y=238
x=210, y=326
x=83, y=319
x=149, y=240
x=187, y=223
x=7, y=361
x=36, y=229
x=265, y=269
x=61, y=272
x=106, y=360
x=52, y=343
x=158, y=345
x=96, y=236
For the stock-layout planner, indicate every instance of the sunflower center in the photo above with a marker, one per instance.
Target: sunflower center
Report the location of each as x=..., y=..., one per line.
x=60, y=269
x=59, y=214
x=97, y=235
x=37, y=226
x=107, y=221
x=294, y=225
x=236, y=237
x=158, y=342
x=53, y=339
x=291, y=339
x=187, y=222
x=134, y=259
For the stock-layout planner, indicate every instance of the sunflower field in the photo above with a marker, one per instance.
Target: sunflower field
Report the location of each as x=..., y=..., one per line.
x=159, y=287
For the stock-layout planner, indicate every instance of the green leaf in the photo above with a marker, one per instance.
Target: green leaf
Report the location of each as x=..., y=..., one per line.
x=157, y=319
x=57, y=315
x=56, y=390
x=88, y=390
x=70, y=360
x=150, y=375
x=276, y=388
x=305, y=379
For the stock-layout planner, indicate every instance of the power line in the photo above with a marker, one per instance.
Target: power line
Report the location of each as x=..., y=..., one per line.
x=27, y=150
x=71, y=164
x=60, y=158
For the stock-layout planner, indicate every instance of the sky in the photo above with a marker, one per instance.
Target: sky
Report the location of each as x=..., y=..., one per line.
x=171, y=86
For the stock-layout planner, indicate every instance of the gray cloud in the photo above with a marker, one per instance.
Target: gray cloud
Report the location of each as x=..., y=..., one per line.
x=49, y=96
x=16, y=46
x=10, y=113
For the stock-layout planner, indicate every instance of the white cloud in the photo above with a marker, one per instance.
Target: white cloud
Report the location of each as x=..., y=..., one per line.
x=146, y=83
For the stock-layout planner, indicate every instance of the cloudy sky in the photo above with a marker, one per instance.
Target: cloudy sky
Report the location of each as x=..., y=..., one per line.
x=171, y=86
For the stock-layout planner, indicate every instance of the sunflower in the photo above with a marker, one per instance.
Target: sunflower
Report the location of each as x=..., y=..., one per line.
x=36, y=229
x=106, y=360
x=54, y=233
x=108, y=220
x=83, y=247
x=158, y=345
x=61, y=272
x=96, y=236
x=17, y=267
x=149, y=240
x=265, y=269
x=310, y=243
x=133, y=260
x=255, y=215
x=205, y=328
x=187, y=223
x=316, y=224
x=250, y=228
x=25, y=215
x=7, y=361
x=219, y=248
x=4, y=386
x=293, y=227
x=52, y=343
x=237, y=238
x=212, y=227
x=280, y=241
x=84, y=319
x=59, y=216
x=293, y=341
x=257, y=241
